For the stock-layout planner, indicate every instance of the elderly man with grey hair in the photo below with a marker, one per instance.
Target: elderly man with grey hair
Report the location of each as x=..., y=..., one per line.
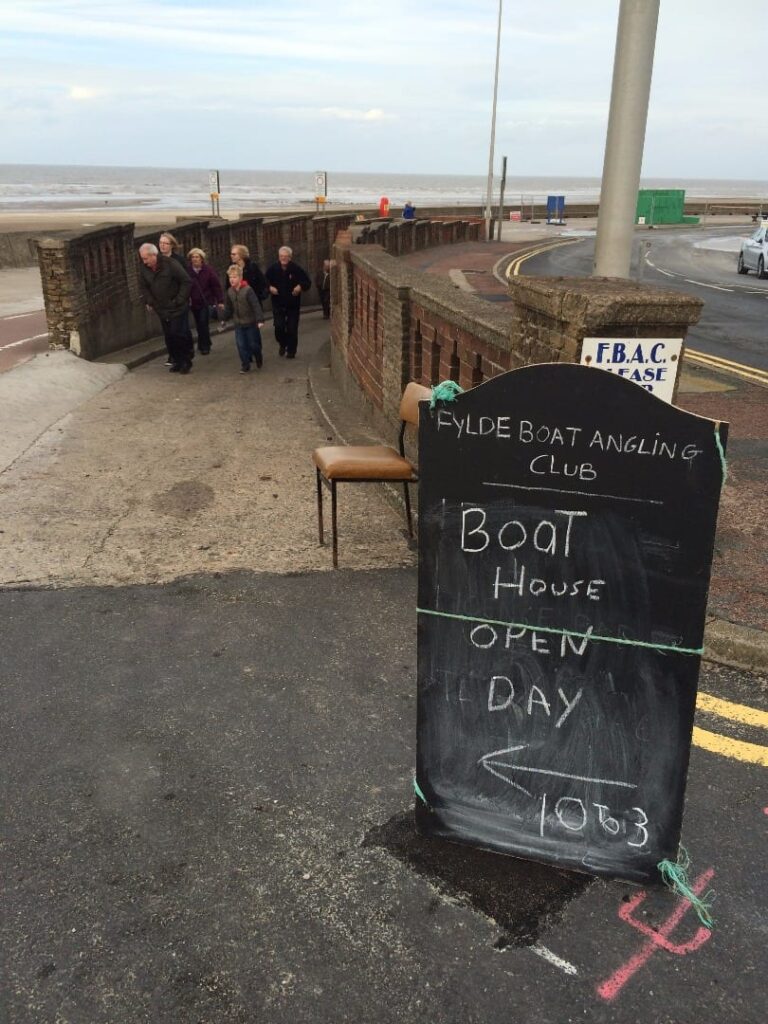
x=165, y=288
x=287, y=280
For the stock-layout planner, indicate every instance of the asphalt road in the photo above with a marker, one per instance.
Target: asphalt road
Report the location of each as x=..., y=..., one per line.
x=734, y=321
x=22, y=336
x=208, y=818
x=23, y=327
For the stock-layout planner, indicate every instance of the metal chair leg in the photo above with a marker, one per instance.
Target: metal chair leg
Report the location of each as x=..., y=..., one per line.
x=333, y=526
x=408, y=509
x=319, y=506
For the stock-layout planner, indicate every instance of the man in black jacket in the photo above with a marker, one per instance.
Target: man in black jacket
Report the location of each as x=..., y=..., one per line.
x=287, y=280
x=165, y=288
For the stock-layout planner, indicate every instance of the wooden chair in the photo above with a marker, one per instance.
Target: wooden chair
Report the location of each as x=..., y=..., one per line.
x=369, y=464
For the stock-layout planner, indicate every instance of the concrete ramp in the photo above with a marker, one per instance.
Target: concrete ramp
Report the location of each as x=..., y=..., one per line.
x=37, y=394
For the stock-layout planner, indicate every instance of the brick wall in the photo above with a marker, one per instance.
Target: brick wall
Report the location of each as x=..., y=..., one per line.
x=403, y=236
x=91, y=285
x=91, y=291
x=391, y=324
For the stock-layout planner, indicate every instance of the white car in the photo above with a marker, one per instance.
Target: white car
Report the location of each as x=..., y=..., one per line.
x=753, y=254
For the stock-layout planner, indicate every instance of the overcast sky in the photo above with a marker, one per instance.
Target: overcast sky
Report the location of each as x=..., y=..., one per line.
x=374, y=85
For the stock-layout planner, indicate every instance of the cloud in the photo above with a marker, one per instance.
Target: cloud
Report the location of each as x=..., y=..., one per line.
x=81, y=92
x=419, y=75
x=344, y=114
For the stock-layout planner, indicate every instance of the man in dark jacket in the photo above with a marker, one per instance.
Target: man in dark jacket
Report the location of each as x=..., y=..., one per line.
x=165, y=288
x=323, y=285
x=287, y=280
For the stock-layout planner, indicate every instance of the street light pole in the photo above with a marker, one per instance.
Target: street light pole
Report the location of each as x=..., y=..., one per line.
x=489, y=189
x=632, y=70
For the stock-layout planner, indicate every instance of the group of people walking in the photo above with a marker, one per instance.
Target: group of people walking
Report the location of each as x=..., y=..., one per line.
x=174, y=287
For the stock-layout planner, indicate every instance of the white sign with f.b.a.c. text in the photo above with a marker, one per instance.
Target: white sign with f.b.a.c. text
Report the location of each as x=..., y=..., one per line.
x=653, y=363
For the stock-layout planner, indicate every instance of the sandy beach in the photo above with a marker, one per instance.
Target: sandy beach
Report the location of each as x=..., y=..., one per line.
x=38, y=221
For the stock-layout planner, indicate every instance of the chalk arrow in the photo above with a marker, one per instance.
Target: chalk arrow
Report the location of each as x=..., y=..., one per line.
x=502, y=769
x=493, y=766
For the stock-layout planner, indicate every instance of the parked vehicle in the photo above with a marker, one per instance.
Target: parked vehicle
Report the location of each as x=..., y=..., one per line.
x=753, y=254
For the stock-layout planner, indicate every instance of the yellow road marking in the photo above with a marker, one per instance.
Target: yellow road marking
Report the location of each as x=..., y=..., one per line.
x=736, y=712
x=513, y=269
x=750, y=373
x=727, y=747
x=725, y=362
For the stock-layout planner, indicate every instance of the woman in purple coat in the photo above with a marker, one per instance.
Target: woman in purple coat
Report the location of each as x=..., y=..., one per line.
x=206, y=292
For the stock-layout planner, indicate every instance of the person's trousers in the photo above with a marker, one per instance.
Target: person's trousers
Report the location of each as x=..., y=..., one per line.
x=248, y=340
x=176, y=333
x=286, y=322
x=202, y=317
x=325, y=299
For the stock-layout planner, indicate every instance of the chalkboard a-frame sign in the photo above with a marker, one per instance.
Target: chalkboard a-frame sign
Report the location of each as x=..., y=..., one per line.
x=566, y=526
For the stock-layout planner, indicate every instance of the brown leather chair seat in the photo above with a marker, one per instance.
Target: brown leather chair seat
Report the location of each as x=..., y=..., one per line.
x=371, y=463
x=368, y=462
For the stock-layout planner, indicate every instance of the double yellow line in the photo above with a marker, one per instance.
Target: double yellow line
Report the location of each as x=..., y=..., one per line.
x=750, y=373
x=513, y=267
x=726, y=746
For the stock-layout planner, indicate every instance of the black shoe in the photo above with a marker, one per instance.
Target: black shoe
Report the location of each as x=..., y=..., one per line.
x=282, y=350
x=204, y=351
x=186, y=367
x=290, y=355
x=174, y=368
x=245, y=368
x=259, y=362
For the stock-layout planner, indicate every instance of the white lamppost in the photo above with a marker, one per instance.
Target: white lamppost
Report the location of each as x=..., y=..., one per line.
x=632, y=70
x=489, y=189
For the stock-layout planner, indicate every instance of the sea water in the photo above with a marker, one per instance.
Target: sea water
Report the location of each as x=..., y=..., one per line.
x=36, y=186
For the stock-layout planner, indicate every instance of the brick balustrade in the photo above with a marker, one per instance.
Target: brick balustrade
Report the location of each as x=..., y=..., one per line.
x=91, y=285
x=391, y=323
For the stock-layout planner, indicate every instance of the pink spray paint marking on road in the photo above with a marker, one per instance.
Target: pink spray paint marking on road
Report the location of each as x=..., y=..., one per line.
x=657, y=938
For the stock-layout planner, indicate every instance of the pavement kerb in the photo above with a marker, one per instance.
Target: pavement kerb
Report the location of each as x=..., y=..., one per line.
x=152, y=348
x=136, y=355
x=725, y=643
x=736, y=646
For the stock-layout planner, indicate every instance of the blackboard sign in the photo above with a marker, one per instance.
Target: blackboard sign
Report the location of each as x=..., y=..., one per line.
x=566, y=526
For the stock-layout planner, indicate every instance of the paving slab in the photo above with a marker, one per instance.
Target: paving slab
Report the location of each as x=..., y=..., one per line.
x=161, y=475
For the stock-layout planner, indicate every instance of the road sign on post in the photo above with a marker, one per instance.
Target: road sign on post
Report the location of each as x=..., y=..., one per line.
x=566, y=527
x=215, y=192
x=321, y=188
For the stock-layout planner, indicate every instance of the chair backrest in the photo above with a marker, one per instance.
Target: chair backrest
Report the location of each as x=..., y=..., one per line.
x=409, y=403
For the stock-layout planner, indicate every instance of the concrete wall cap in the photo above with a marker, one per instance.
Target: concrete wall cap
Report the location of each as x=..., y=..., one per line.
x=87, y=237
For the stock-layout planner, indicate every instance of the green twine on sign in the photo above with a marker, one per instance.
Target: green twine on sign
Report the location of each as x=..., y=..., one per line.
x=675, y=876
x=564, y=632
x=445, y=392
x=419, y=794
x=721, y=452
